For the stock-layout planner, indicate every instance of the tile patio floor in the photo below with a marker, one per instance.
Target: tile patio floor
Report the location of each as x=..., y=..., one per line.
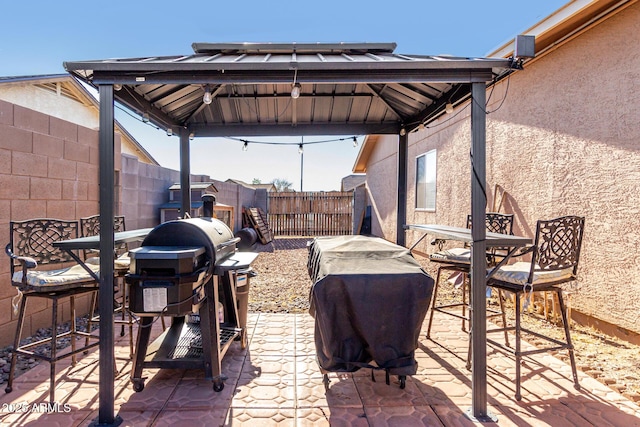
x=276, y=381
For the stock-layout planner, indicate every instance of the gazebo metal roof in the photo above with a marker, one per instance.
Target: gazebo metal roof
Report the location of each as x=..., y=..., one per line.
x=346, y=88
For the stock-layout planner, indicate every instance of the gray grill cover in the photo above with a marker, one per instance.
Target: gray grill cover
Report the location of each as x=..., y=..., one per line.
x=369, y=298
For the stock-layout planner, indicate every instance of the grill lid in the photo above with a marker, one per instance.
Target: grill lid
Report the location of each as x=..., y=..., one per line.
x=214, y=235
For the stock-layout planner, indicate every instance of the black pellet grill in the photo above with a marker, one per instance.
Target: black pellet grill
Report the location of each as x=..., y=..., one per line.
x=188, y=269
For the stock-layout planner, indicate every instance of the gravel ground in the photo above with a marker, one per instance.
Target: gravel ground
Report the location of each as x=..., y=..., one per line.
x=282, y=285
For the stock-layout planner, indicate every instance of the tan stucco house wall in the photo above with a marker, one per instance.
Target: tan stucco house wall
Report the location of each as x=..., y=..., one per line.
x=565, y=141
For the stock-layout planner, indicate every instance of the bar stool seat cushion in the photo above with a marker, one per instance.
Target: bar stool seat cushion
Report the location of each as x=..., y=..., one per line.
x=518, y=273
x=121, y=263
x=55, y=280
x=455, y=255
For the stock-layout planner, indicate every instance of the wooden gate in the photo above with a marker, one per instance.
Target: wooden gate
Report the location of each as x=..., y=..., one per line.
x=325, y=213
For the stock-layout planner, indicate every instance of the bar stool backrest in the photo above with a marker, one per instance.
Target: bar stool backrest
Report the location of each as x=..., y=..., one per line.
x=557, y=244
x=90, y=226
x=34, y=238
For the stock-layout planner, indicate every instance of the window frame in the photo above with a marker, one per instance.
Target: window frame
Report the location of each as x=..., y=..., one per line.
x=430, y=160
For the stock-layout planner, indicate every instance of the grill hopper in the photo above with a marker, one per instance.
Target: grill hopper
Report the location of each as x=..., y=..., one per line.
x=175, y=259
x=211, y=233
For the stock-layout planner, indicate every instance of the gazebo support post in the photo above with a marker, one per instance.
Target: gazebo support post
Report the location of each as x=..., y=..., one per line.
x=403, y=142
x=185, y=174
x=478, y=254
x=107, y=197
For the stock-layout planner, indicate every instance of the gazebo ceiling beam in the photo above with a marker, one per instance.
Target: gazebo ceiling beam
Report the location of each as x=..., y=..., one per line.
x=286, y=129
x=283, y=77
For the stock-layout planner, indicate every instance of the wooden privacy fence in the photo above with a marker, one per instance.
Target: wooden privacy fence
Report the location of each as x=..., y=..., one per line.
x=326, y=213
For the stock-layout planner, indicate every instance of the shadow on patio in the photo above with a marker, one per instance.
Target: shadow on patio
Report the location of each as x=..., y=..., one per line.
x=276, y=381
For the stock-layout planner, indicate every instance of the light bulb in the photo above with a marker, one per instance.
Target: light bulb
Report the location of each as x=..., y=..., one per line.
x=169, y=131
x=295, y=91
x=245, y=147
x=192, y=136
x=403, y=132
x=300, y=149
x=145, y=117
x=207, y=97
x=448, y=108
x=355, y=141
x=117, y=86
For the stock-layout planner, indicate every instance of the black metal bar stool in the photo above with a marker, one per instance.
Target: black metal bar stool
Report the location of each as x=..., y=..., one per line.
x=554, y=262
x=30, y=246
x=458, y=260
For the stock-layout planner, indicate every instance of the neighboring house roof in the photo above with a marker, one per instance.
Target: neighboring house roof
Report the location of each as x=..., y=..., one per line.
x=69, y=87
x=559, y=27
x=268, y=186
x=197, y=204
x=197, y=186
x=352, y=181
x=369, y=143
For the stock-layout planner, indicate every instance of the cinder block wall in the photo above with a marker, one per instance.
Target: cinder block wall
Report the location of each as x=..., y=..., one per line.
x=48, y=168
x=144, y=188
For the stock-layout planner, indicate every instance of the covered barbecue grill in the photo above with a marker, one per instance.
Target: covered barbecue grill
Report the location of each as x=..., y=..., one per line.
x=184, y=267
x=369, y=298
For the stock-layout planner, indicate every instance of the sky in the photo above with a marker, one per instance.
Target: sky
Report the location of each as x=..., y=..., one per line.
x=37, y=36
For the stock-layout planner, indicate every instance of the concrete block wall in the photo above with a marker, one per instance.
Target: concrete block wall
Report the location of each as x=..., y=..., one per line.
x=48, y=168
x=239, y=196
x=144, y=188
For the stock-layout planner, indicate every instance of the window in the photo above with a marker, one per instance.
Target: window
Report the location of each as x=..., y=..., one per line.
x=426, y=181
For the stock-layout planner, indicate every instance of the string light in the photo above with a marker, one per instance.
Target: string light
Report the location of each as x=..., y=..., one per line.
x=448, y=108
x=295, y=91
x=245, y=142
x=300, y=149
x=206, y=98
